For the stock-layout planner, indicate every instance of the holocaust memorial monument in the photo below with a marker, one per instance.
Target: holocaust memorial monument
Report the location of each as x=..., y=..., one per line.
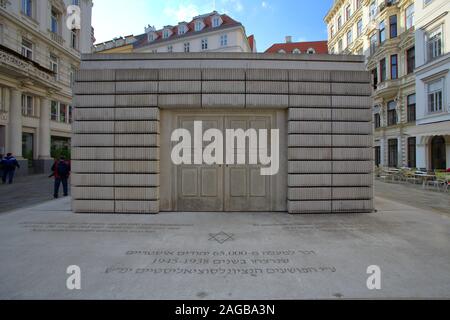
x=222, y=132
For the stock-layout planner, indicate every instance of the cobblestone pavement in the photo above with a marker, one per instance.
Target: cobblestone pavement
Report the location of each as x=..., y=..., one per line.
x=414, y=195
x=26, y=191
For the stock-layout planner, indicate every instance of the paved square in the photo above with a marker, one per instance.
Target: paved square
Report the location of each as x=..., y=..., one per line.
x=266, y=255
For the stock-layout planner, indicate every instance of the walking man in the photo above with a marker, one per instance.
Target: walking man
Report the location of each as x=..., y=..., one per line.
x=61, y=172
x=9, y=165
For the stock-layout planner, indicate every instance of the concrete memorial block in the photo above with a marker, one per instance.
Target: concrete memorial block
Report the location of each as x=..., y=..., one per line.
x=180, y=100
x=140, y=113
x=224, y=86
x=92, y=166
x=140, y=87
x=97, y=193
x=309, y=206
x=127, y=193
x=127, y=105
x=130, y=166
x=136, y=75
x=274, y=101
x=136, y=100
x=310, y=153
x=91, y=153
x=318, y=127
x=95, y=75
x=94, y=88
x=223, y=100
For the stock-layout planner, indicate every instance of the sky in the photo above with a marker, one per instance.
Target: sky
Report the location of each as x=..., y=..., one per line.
x=269, y=20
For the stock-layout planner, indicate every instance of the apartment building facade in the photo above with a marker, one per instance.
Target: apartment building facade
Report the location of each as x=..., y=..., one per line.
x=433, y=83
x=383, y=31
x=211, y=32
x=39, y=55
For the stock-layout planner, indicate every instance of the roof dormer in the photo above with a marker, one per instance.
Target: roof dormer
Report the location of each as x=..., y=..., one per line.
x=152, y=35
x=167, y=32
x=216, y=20
x=182, y=28
x=199, y=25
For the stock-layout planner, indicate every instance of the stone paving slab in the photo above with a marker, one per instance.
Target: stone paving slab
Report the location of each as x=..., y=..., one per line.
x=224, y=255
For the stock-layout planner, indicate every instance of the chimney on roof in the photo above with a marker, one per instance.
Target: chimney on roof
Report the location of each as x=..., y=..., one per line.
x=288, y=39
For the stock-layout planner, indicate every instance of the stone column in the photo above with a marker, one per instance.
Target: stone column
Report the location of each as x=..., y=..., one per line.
x=15, y=130
x=44, y=158
x=15, y=124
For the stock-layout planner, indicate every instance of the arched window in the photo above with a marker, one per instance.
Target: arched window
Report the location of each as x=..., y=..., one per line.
x=281, y=51
x=296, y=51
x=311, y=51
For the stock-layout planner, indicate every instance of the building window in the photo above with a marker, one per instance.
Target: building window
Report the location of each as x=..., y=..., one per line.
x=74, y=39
x=374, y=73
x=165, y=34
x=392, y=153
x=373, y=43
x=76, y=2
x=382, y=70
x=340, y=45
x=204, y=44
x=27, y=105
x=372, y=10
x=339, y=22
x=70, y=114
x=434, y=44
x=216, y=22
x=359, y=26
x=427, y=2
x=349, y=37
x=198, y=26
x=62, y=112
x=394, y=66
x=358, y=4
x=411, y=107
x=181, y=29
x=186, y=47
x=151, y=37
x=382, y=32
x=377, y=120
x=2, y=100
x=377, y=151
x=412, y=152
x=1, y=34
x=331, y=32
x=27, y=49
x=435, y=96
x=348, y=13
x=223, y=40
x=296, y=51
x=392, y=113
x=27, y=7
x=169, y=49
x=410, y=60
x=393, y=27
x=54, y=64
x=409, y=17
x=311, y=51
x=54, y=111
x=54, y=20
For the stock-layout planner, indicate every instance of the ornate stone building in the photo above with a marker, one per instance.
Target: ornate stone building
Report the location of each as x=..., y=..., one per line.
x=211, y=32
x=39, y=55
x=383, y=31
x=433, y=83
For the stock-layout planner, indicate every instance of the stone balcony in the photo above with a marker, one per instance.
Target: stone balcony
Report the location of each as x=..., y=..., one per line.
x=20, y=67
x=56, y=37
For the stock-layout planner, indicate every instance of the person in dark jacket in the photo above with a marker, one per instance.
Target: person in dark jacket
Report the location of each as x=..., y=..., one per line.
x=61, y=172
x=9, y=165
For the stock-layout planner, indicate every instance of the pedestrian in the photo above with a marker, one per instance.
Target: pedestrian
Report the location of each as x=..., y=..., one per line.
x=61, y=172
x=9, y=165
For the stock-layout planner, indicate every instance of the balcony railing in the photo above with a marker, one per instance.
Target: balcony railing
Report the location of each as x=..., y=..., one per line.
x=56, y=37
